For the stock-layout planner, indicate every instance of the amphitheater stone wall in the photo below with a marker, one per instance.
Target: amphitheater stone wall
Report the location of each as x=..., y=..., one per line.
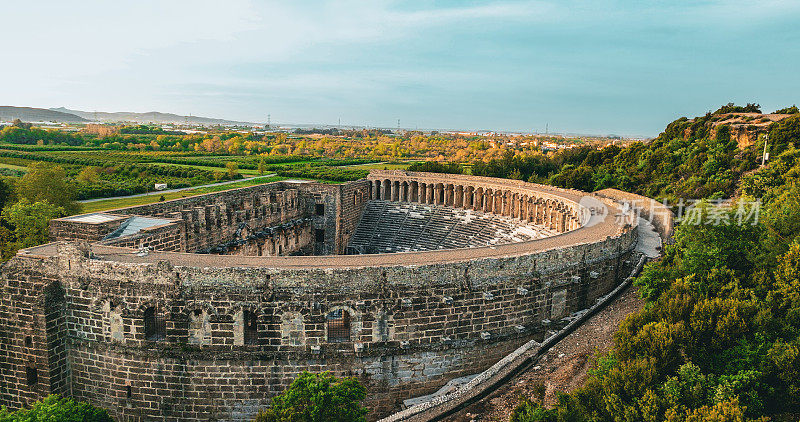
x=177, y=336
x=656, y=212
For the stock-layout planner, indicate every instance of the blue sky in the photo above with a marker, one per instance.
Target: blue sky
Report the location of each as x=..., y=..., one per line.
x=623, y=67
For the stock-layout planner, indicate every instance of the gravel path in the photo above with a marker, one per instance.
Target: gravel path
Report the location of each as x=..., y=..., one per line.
x=563, y=368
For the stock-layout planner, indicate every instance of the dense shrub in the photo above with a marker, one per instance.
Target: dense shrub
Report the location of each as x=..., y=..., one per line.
x=436, y=167
x=318, y=398
x=719, y=338
x=56, y=409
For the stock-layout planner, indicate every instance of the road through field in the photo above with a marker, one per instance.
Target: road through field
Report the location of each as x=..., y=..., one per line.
x=161, y=192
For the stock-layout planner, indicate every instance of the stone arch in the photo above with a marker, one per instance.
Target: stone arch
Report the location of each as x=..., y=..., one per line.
x=387, y=190
x=404, y=191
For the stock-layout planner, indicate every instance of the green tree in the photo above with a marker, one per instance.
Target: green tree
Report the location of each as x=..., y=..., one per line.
x=261, y=166
x=231, y=169
x=788, y=110
x=6, y=191
x=56, y=409
x=88, y=175
x=318, y=398
x=45, y=182
x=531, y=411
x=30, y=221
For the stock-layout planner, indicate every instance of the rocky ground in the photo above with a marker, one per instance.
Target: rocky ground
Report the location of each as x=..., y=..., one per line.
x=563, y=368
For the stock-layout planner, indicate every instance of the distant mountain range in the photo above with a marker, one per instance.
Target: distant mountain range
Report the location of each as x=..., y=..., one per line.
x=30, y=114
x=65, y=115
x=148, y=117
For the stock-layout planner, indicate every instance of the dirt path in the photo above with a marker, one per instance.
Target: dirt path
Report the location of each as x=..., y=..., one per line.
x=563, y=368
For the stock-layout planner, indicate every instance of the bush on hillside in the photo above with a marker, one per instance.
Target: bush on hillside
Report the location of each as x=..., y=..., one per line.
x=57, y=409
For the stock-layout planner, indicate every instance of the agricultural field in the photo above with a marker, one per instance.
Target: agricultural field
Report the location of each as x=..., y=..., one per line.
x=106, y=170
x=114, y=203
x=112, y=161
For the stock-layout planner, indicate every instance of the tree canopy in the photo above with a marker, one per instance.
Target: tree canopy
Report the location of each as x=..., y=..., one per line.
x=46, y=182
x=318, y=398
x=56, y=409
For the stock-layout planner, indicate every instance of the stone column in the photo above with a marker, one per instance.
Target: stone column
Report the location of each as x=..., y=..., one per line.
x=514, y=205
x=459, y=197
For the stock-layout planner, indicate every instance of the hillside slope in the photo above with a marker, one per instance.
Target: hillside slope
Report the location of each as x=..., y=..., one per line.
x=30, y=114
x=148, y=117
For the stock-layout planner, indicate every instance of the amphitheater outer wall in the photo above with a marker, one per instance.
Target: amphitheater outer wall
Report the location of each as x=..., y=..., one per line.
x=73, y=313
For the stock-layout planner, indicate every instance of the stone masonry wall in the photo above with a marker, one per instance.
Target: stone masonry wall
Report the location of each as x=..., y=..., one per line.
x=412, y=328
x=263, y=220
x=66, y=229
x=167, y=237
x=657, y=213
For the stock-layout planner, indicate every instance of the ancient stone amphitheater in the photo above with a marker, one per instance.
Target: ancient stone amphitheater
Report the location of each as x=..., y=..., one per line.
x=203, y=308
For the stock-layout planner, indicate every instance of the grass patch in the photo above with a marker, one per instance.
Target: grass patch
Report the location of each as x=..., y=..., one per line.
x=382, y=166
x=114, y=203
x=13, y=167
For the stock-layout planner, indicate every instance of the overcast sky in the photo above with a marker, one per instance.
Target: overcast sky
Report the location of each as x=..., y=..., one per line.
x=622, y=67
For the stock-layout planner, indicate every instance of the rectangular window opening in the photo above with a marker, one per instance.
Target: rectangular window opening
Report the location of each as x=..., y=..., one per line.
x=338, y=326
x=155, y=325
x=250, y=327
x=31, y=375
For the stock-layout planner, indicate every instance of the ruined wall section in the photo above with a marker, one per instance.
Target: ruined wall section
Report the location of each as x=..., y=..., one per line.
x=412, y=328
x=168, y=237
x=217, y=219
x=33, y=335
x=283, y=218
x=336, y=211
x=655, y=212
x=69, y=229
